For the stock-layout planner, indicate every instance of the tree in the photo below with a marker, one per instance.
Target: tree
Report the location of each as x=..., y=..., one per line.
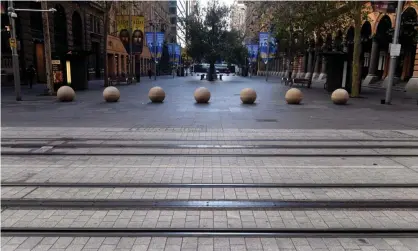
x=315, y=19
x=107, y=7
x=208, y=39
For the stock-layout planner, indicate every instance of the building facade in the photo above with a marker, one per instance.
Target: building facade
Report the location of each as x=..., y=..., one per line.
x=154, y=13
x=76, y=27
x=238, y=16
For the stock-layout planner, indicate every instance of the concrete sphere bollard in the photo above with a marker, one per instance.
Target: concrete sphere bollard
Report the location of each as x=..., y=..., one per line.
x=411, y=88
x=248, y=96
x=340, y=97
x=156, y=94
x=293, y=96
x=202, y=95
x=111, y=94
x=65, y=94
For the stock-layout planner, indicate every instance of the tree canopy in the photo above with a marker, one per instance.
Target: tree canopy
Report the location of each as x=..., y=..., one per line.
x=210, y=40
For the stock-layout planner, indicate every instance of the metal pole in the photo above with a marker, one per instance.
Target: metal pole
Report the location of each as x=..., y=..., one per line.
x=15, y=56
x=393, y=57
x=268, y=52
x=172, y=59
x=130, y=70
x=47, y=45
x=155, y=51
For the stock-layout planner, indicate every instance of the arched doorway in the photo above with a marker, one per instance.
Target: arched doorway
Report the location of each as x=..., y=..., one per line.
x=60, y=30
x=77, y=25
x=349, y=43
x=408, y=41
x=384, y=37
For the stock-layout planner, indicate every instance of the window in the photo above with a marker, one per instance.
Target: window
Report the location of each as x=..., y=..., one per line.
x=91, y=22
x=172, y=10
x=173, y=20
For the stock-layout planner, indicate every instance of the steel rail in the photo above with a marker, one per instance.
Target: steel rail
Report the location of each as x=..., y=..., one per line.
x=208, y=204
x=206, y=146
x=198, y=232
x=208, y=185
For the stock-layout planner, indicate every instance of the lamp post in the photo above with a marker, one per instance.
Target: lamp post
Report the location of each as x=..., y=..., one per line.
x=13, y=44
x=394, y=53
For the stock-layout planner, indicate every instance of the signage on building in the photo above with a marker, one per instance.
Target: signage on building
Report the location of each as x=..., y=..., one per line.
x=58, y=76
x=137, y=36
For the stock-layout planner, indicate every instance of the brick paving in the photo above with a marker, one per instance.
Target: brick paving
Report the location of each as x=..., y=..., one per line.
x=207, y=243
x=211, y=219
x=224, y=122
x=224, y=111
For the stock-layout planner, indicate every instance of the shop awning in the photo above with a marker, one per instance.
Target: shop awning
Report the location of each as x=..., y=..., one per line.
x=115, y=46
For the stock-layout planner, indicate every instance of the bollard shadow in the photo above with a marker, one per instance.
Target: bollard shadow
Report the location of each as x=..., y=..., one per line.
x=150, y=103
x=201, y=104
x=249, y=105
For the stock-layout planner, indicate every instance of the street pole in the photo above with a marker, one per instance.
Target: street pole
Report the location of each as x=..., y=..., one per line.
x=268, y=52
x=393, y=57
x=47, y=46
x=173, y=59
x=155, y=51
x=130, y=71
x=15, y=56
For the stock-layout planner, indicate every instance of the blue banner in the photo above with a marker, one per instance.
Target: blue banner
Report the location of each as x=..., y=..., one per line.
x=252, y=52
x=172, y=52
x=149, y=36
x=177, y=53
x=267, y=43
x=160, y=45
x=155, y=46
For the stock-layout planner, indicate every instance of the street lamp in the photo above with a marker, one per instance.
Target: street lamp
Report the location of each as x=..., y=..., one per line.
x=13, y=45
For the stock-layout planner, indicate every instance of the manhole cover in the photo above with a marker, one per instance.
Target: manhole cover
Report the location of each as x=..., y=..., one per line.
x=266, y=120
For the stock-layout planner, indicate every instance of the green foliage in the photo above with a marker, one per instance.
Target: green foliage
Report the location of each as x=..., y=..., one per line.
x=208, y=38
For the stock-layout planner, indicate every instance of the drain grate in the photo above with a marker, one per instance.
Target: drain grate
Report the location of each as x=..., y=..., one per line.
x=266, y=120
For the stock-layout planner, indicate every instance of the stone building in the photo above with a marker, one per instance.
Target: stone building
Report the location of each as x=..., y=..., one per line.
x=76, y=27
x=376, y=35
x=156, y=11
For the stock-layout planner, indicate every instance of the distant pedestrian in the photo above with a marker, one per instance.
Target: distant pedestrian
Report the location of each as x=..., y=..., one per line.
x=149, y=73
x=30, y=74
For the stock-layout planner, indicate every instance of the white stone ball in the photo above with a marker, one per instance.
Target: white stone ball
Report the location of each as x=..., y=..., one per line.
x=202, y=95
x=411, y=88
x=340, y=97
x=293, y=96
x=65, y=94
x=248, y=96
x=111, y=94
x=156, y=94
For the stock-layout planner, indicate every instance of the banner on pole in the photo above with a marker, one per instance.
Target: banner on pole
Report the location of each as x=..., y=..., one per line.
x=155, y=47
x=177, y=53
x=172, y=52
x=252, y=52
x=160, y=44
x=137, y=36
x=267, y=44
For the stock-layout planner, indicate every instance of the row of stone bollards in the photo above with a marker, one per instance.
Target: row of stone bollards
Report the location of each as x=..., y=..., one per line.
x=202, y=95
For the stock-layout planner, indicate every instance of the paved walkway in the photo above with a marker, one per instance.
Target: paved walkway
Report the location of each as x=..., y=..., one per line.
x=224, y=111
x=178, y=176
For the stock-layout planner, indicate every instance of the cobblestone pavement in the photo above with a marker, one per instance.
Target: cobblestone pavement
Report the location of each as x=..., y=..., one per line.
x=224, y=111
x=386, y=160
x=204, y=244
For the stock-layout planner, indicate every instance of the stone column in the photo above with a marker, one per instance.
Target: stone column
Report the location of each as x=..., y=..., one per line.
x=374, y=58
x=316, y=68
x=412, y=85
x=308, y=74
x=323, y=75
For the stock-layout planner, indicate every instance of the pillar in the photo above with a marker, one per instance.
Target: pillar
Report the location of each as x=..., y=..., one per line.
x=374, y=58
x=323, y=75
x=308, y=74
x=412, y=85
x=316, y=68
